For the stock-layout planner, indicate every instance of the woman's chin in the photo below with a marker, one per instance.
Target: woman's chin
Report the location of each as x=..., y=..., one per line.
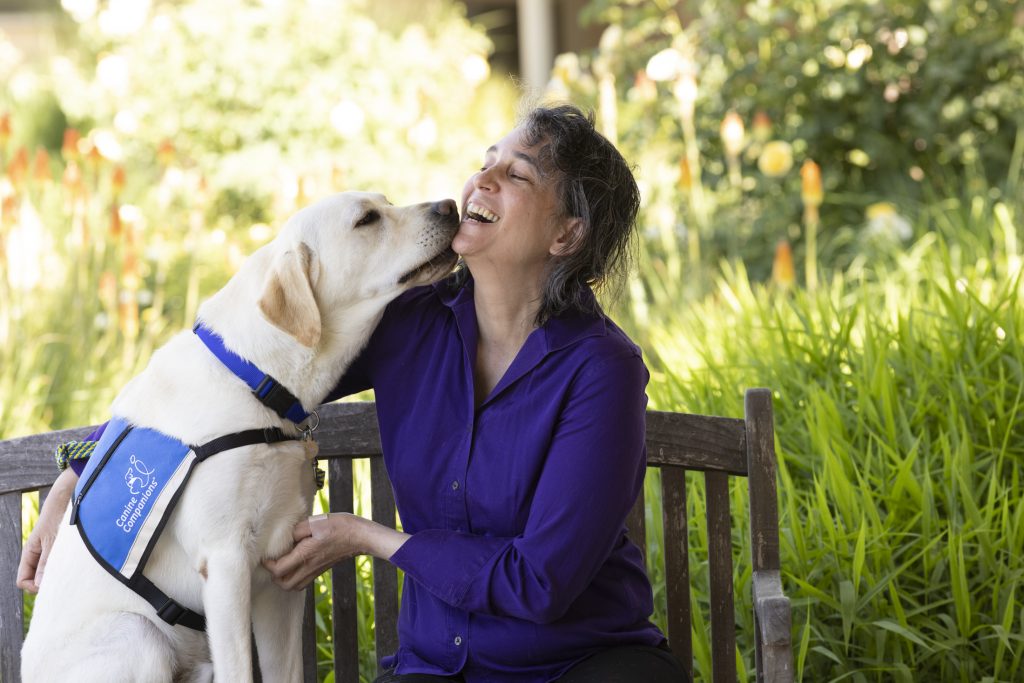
x=463, y=245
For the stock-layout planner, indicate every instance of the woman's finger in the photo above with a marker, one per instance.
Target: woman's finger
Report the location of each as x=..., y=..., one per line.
x=301, y=530
x=47, y=543
x=26, y=580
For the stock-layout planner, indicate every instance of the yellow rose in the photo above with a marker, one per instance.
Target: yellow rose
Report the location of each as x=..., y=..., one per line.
x=776, y=159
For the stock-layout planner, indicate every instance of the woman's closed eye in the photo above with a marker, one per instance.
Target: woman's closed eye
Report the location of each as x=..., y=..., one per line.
x=515, y=175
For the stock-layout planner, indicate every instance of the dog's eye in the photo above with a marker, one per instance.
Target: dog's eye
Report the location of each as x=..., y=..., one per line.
x=369, y=218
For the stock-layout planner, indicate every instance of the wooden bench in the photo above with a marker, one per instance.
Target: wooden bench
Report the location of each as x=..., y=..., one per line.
x=717, y=447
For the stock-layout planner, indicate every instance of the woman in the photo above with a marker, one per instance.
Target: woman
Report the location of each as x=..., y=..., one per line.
x=511, y=413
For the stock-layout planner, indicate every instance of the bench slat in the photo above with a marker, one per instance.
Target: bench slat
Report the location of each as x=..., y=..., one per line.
x=348, y=429
x=385, y=574
x=764, y=516
x=723, y=617
x=677, y=564
x=697, y=442
x=27, y=466
x=11, y=608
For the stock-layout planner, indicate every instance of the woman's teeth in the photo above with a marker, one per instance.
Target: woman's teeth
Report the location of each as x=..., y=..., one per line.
x=479, y=213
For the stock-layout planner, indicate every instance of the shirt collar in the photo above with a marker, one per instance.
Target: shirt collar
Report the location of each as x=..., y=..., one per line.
x=557, y=333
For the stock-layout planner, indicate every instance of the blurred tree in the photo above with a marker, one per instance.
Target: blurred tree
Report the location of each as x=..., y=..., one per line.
x=289, y=100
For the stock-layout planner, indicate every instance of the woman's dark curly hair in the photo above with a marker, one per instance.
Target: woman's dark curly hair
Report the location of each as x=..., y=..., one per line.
x=594, y=184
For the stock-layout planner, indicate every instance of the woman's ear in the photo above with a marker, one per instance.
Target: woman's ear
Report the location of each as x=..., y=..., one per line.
x=569, y=239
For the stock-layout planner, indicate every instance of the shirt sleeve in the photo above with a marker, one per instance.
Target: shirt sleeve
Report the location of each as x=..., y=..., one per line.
x=591, y=478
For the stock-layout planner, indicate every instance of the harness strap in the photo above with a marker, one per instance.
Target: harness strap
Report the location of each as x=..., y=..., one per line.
x=249, y=437
x=265, y=388
x=166, y=608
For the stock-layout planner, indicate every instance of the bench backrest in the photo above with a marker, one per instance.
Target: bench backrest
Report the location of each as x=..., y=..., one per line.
x=715, y=447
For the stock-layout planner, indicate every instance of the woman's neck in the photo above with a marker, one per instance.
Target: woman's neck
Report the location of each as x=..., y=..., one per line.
x=506, y=309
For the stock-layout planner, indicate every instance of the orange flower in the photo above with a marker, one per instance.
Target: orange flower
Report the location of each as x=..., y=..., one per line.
x=165, y=152
x=5, y=128
x=115, y=220
x=18, y=168
x=117, y=179
x=94, y=155
x=685, y=176
x=108, y=288
x=810, y=189
x=72, y=179
x=41, y=166
x=762, y=127
x=8, y=207
x=130, y=270
x=69, y=149
x=783, y=272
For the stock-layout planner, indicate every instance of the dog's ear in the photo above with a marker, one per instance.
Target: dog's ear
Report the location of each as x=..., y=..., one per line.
x=288, y=301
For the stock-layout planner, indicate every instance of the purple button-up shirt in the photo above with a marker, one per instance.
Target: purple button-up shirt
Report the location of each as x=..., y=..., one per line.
x=518, y=564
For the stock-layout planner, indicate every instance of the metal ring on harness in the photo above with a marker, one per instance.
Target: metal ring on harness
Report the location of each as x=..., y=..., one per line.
x=307, y=432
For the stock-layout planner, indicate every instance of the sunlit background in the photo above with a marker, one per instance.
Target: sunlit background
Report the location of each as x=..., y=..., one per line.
x=831, y=208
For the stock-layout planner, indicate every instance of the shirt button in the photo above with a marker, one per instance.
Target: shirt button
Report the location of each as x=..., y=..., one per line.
x=458, y=640
x=455, y=485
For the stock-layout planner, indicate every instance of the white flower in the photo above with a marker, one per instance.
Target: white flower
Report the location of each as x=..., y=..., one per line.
x=348, y=118
x=667, y=65
x=884, y=222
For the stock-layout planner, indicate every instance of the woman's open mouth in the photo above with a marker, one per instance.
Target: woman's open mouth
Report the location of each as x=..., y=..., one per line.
x=475, y=212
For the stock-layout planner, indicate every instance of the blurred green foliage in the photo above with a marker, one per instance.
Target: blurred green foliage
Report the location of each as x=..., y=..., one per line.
x=266, y=99
x=883, y=95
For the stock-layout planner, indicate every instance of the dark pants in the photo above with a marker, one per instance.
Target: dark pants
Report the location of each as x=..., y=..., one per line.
x=625, y=664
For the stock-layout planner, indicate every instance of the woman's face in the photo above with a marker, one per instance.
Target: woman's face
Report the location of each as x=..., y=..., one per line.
x=510, y=210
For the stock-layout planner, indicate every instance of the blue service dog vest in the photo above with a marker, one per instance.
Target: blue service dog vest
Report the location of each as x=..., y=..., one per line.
x=126, y=494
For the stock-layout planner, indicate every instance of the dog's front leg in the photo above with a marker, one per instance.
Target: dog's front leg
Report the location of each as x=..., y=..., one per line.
x=227, y=603
x=277, y=626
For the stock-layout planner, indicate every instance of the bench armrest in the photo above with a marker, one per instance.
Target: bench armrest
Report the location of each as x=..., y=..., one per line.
x=773, y=623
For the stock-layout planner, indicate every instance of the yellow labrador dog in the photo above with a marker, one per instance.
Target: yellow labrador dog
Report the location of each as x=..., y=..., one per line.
x=299, y=309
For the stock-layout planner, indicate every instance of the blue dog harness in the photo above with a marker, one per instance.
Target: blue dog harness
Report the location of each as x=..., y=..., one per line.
x=136, y=475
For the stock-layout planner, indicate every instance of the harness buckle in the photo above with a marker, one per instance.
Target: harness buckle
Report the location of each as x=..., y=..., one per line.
x=274, y=395
x=273, y=435
x=171, y=612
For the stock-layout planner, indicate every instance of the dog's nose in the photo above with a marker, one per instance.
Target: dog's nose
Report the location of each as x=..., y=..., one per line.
x=445, y=207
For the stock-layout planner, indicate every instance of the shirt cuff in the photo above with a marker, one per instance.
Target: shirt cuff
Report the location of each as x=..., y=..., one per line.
x=446, y=562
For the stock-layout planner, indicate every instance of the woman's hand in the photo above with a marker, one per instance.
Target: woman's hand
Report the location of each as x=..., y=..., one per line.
x=37, y=547
x=325, y=540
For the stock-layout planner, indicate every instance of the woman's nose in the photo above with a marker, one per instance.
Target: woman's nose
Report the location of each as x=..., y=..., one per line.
x=483, y=180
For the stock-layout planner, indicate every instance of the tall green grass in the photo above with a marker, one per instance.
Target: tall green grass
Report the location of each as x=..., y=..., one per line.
x=899, y=403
